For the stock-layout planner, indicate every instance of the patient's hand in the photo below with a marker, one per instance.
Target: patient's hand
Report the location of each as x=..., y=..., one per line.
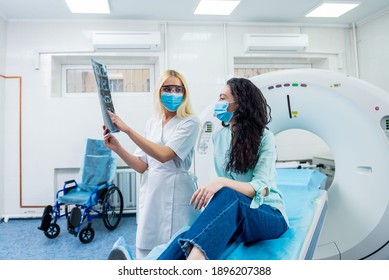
x=203, y=195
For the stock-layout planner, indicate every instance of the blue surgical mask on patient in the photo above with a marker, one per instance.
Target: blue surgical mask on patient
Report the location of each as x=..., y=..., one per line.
x=221, y=112
x=171, y=100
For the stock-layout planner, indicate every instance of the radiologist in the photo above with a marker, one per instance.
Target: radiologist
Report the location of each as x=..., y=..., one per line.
x=163, y=155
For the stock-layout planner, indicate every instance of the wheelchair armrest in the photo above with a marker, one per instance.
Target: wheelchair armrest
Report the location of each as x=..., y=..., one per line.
x=67, y=189
x=70, y=181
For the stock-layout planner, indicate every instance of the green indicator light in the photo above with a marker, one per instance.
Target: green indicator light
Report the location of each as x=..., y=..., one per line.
x=295, y=85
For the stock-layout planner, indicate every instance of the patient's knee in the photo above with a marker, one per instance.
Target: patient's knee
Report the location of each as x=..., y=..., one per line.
x=227, y=193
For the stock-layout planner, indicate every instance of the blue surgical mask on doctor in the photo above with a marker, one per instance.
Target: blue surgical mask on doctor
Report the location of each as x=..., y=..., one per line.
x=172, y=96
x=171, y=100
x=221, y=112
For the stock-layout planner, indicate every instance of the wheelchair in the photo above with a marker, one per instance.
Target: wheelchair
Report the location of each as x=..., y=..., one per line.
x=94, y=197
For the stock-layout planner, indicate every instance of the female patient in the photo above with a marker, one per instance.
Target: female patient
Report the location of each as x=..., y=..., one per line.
x=243, y=204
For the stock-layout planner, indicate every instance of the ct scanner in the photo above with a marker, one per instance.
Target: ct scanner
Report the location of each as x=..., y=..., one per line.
x=352, y=117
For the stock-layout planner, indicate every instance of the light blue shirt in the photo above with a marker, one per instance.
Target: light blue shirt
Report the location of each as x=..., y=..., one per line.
x=262, y=176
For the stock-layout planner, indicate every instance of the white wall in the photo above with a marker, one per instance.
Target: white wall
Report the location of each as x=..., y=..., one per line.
x=54, y=128
x=373, y=54
x=198, y=52
x=3, y=30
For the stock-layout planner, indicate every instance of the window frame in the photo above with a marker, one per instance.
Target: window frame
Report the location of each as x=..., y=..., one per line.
x=65, y=67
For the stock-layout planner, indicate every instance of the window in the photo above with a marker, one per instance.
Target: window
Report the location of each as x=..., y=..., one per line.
x=79, y=79
x=251, y=70
x=247, y=67
x=116, y=85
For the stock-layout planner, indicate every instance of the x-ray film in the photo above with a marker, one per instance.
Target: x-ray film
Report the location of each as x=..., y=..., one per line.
x=104, y=92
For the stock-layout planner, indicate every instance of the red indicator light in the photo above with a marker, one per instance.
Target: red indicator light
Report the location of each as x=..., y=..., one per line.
x=286, y=85
x=303, y=85
x=377, y=108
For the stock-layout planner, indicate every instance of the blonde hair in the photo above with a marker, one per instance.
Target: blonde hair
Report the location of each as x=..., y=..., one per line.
x=185, y=108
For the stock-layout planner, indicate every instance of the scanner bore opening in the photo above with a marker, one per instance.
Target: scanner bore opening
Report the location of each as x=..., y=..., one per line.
x=306, y=150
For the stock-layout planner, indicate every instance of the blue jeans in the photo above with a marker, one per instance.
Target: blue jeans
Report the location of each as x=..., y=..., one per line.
x=228, y=217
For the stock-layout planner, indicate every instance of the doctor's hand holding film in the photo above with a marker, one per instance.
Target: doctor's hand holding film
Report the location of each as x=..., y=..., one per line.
x=118, y=122
x=110, y=141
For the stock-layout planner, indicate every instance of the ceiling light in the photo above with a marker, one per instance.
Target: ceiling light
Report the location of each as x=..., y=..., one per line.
x=216, y=7
x=88, y=6
x=329, y=9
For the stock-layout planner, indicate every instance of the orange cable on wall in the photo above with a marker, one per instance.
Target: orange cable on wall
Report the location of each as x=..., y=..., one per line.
x=20, y=140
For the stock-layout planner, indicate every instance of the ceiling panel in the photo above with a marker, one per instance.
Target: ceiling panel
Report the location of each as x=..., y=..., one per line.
x=262, y=11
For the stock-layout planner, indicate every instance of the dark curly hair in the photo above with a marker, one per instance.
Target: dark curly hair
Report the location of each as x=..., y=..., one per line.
x=251, y=118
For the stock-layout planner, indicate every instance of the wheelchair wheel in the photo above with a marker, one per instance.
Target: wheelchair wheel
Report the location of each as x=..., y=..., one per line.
x=53, y=231
x=86, y=234
x=112, y=208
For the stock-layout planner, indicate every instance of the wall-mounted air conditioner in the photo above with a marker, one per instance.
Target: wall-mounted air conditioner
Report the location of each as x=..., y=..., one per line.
x=126, y=41
x=275, y=42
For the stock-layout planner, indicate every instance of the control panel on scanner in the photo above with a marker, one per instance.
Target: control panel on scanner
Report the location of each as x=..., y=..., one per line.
x=205, y=138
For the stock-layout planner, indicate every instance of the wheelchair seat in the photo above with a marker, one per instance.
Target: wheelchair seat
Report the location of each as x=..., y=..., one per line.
x=93, y=196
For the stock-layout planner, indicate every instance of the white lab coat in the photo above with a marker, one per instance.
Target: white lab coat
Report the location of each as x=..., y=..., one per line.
x=166, y=189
